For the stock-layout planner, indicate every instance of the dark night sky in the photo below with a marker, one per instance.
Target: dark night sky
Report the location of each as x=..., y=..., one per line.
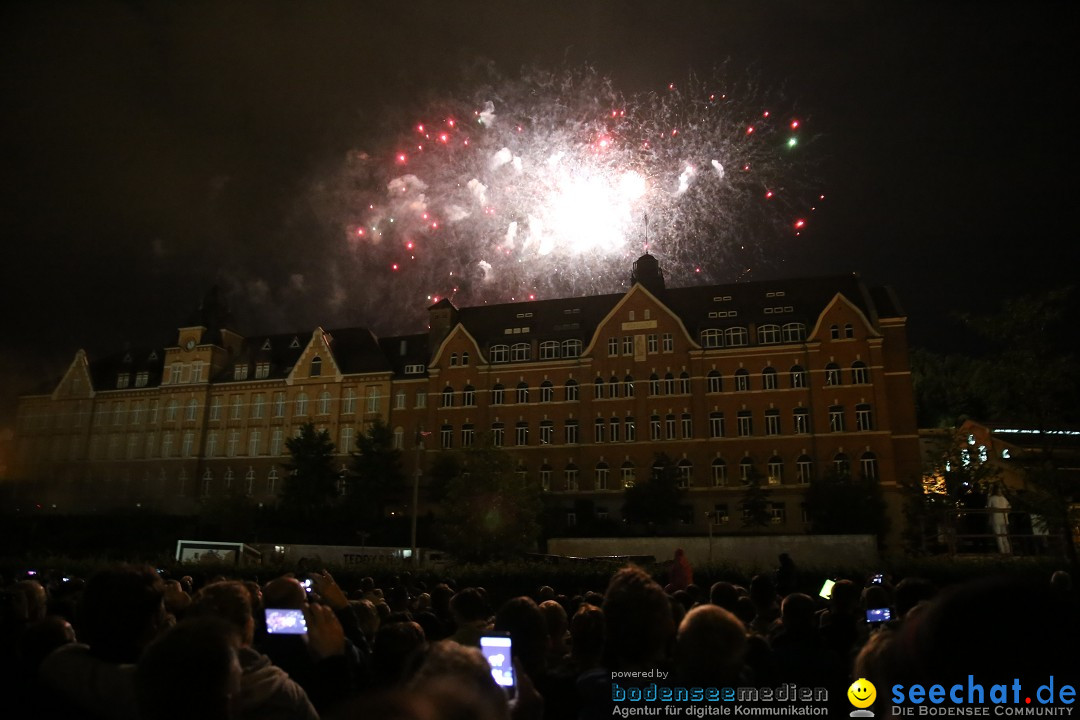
x=148, y=145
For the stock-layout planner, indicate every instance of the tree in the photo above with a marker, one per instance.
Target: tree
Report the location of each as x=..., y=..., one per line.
x=490, y=511
x=1030, y=379
x=377, y=476
x=658, y=500
x=755, y=503
x=311, y=485
x=841, y=503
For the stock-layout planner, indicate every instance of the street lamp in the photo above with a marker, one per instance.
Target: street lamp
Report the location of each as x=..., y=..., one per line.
x=420, y=435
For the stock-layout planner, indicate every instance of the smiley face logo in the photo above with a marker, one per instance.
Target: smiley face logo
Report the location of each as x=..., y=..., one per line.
x=862, y=693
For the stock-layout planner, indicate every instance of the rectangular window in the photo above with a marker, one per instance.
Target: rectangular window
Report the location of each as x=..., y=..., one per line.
x=497, y=434
x=669, y=342
x=613, y=426
x=598, y=430
x=547, y=432
x=613, y=346
x=602, y=475
x=498, y=395
x=446, y=436
x=257, y=406
x=373, y=400
x=234, y=442
x=197, y=371
x=804, y=469
x=772, y=423
x=687, y=426
x=571, y=476
x=262, y=370
x=654, y=427
x=399, y=438
x=746, y=423
x=628, y=345
x=669, y=427
x=571, y=432
x=399, y=400
x=631, y=430
x=652, y=344
x=776, y=472
x=275, y=442
x=237, y=407
x=521, y=434
x=254, y=442
x=778, y=513
x=468, y=435
x=345, y=446
x=279, y=404
x=348, y=401
x=421, y=399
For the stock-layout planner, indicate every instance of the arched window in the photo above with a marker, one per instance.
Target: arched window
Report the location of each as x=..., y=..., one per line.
x=316, y=367
x=549, y=350
x=849, y=331
x=776, y=470
x=468, y=396
x=736, y=337
x=571, y=348
x=798, y=376
x=719, y=473
x=768, y=379
x=768, y=334
x=712, y=338
x=571, y=476
x=834, y=332
x=714, y=382
x=602, y=476
x=598, y=388
x=832, y=374
x=860, y=374
x=547, y=391
x=498, y=394
x=629, y=474
x=742, y=380
x=523, y=392
x=794, y=332
x=842, y=465
x=519, y=352
x=447, y=397
x=628, y=386
x=571, y=389
x=669, y=384
x=868, y=465
x=464, y=358
x=545, y=477
x=684, y=383
x=613, y=387
x=804, y=469
x=685, y=471
x=453, y=359
x=499, y=353
x=746, y=469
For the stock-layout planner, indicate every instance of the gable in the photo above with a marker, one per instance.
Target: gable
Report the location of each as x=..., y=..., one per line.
x=318, y=358
x=76, y=382
x=838, y=310
x=637, y=294
x=455, y=336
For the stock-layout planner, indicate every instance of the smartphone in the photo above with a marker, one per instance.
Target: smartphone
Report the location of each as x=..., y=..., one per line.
x=878, y=615
x=307, y=585
x=497, y=651
x=826, y=589
x=877, y=579
x=285, y=621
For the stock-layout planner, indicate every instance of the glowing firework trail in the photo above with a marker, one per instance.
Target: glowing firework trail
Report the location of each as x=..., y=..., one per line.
x=540, y=185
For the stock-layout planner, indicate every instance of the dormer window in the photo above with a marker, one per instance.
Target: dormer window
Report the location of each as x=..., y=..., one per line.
x=262, y=370
x=122, y=380
x=240, y=371
x=316, y=367
x=414, y=369
x=142, y=378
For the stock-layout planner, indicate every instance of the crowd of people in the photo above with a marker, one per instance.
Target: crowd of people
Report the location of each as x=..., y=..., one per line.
x=132, y=644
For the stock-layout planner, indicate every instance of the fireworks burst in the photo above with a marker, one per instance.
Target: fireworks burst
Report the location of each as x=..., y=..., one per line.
x=551, y=184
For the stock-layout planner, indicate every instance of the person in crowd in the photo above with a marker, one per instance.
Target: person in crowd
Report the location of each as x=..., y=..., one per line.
x=122, y=611
x=682, y=574
x=472, y=616
x=709, y=648
x=265, y=690
x=191, y=670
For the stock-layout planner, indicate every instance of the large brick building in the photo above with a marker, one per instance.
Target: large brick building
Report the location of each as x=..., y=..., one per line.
x=785, y=378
